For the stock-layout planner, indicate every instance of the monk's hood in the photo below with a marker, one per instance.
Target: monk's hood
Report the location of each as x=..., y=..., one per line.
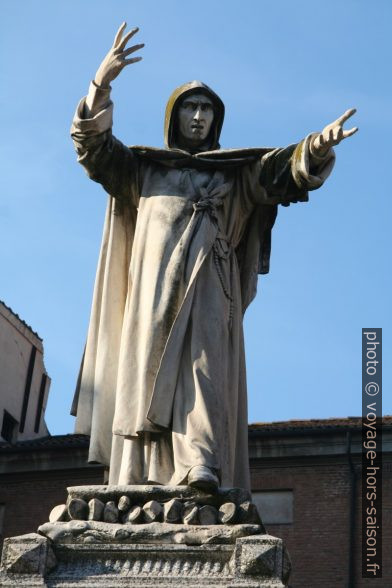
x=212, y=141
x=213, y=156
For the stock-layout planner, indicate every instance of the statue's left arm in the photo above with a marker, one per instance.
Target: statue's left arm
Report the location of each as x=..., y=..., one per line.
x=281, y=176
x=287, y=175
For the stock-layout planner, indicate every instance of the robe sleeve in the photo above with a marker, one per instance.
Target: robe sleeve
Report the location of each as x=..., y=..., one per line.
x=281, y=176
x=105, y=159
x=284, y=176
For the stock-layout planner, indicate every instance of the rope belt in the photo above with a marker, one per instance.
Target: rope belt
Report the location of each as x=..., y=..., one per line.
x=222, y=248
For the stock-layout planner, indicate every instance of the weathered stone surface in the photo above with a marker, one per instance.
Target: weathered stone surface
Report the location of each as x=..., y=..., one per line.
x=27, y=554
x=262, y=556
x=286, y=565
x=248, y=513
x=58, y=513
x=190, y=553
x=208, y=515
x=173, y=504
x=227, y=513
x=257, y=561
x=303, y=167
x=153, y=511
x=172, y=511
x=110, y=512
x=190, y=514
x=101, y=532
x=142, y=494
x=162, y=503
x=124, y=504
x=64, y=531
x=95, y=509
x=135, y=515
x=77, y=509
x=168, y=496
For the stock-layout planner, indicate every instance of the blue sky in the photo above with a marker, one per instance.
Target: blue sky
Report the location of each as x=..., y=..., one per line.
x=283, y=69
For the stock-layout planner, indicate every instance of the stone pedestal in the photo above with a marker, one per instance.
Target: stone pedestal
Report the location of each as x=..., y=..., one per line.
x=76, y=550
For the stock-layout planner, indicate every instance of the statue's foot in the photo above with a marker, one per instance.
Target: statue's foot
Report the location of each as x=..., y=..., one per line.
x=204, y=478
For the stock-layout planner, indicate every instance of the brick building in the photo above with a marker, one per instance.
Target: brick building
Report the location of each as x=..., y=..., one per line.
x=305, y=479
x=316, y=466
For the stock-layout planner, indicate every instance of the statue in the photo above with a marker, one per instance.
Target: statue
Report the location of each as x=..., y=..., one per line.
x=162, y=388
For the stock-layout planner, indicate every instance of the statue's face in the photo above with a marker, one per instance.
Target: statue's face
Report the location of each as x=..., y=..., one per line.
x=195, y=116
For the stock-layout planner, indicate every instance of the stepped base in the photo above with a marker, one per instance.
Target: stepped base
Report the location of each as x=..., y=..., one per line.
x=90, y=553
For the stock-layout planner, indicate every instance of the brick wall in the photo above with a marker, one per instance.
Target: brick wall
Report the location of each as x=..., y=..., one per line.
x=28, y=497
x=318, y=540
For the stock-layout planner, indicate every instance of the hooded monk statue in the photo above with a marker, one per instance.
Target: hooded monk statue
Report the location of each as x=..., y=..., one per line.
x=162, y=387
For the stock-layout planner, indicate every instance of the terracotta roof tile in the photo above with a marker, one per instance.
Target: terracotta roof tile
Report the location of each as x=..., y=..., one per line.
x=314, y=424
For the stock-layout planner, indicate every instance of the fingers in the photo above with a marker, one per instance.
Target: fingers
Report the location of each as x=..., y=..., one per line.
x=125, y=40
x=333, y=134
x=133, y=60
x=349, y=132
x=132, y=49
x=119, y=33
x=338, y=134
x=119, y=42
x=326, y=137
x=346, y=115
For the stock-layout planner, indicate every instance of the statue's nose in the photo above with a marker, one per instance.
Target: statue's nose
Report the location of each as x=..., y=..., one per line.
x=198, y=114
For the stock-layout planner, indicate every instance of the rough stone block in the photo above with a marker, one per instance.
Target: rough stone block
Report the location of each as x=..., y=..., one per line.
x=134, y=516
x=262, y=556
x=172, y=511
x=153, y=511
x=124, y=504
x=58, y=513
x=208, y=515
x=95, y=509
x=77, y=509
x=27, y=554
x=248, y=513
x=110, y=512
x=227, y=513
x=190, y=514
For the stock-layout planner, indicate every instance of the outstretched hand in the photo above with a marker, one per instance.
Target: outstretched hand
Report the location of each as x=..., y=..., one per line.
x=332, y=134
x=115, y=60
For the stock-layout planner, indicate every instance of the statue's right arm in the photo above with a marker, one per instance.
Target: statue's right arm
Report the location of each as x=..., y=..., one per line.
x=105, y=159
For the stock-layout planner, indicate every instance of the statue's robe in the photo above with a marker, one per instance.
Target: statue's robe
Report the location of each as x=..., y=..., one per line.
x=163, y=386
